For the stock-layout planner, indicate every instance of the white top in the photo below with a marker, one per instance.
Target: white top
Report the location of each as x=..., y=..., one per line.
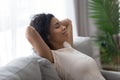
x=74, y=65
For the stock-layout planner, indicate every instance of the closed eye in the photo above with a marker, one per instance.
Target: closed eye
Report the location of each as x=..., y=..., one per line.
x=57, y=25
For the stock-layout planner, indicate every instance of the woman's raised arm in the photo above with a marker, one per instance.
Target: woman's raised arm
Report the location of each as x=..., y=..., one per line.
x=68, y=24
x=38, y=43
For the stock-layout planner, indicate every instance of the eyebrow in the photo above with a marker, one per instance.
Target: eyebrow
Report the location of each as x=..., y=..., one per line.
x=57, y=22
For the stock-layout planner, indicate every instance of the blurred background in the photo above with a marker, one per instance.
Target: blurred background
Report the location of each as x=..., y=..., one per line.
x=15, y=16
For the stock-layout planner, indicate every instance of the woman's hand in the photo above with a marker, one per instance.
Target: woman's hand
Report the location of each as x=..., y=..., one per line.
x=68, y=24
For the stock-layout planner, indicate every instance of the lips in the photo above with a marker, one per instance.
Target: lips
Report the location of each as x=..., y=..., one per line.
x=65, y=33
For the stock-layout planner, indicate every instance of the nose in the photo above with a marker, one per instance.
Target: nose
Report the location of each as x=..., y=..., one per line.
x=63, y=28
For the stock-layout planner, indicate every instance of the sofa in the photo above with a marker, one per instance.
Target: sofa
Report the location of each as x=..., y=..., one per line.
x=34, y=67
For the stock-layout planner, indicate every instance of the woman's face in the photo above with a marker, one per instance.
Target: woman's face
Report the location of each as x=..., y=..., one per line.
x=58, y=32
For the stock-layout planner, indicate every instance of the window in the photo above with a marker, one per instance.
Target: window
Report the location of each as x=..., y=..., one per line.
x=15, y=17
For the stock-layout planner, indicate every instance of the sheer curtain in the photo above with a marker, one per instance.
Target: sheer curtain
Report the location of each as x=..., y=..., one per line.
x=81, y=14
x=15, y=16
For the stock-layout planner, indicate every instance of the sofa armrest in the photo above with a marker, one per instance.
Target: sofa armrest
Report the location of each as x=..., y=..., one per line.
x=111, y=75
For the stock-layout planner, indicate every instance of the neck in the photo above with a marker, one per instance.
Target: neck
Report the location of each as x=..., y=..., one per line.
x=56, y=45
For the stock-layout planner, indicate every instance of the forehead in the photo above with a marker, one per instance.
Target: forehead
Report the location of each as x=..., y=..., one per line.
x=54, y=20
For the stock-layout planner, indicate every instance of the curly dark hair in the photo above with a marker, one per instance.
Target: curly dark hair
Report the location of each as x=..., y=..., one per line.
x=41, y=22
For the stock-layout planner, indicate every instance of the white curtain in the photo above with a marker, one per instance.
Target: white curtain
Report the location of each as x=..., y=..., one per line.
x=15, y=16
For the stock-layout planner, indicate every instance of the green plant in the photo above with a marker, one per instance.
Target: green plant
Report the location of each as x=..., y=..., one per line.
x=106, y=16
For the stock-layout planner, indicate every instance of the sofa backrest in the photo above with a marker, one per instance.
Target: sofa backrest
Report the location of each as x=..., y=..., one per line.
x=29, y=68
x=26, y=68
x=83, y=44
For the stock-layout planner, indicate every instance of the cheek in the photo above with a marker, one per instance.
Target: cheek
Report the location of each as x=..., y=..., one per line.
x=55, y=35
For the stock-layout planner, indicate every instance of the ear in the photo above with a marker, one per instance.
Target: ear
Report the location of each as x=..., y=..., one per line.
x=48, y=37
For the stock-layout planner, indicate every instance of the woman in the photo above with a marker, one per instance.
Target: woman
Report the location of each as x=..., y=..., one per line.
x=52, y=39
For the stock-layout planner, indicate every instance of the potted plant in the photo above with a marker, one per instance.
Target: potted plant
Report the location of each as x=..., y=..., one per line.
x=105, y=14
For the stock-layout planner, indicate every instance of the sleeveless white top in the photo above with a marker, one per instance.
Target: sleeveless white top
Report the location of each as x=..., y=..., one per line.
x=74, y=65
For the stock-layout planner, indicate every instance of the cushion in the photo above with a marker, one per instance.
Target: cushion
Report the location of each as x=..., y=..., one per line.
x=26, y=68
x=48, y=72
x=83, y=44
